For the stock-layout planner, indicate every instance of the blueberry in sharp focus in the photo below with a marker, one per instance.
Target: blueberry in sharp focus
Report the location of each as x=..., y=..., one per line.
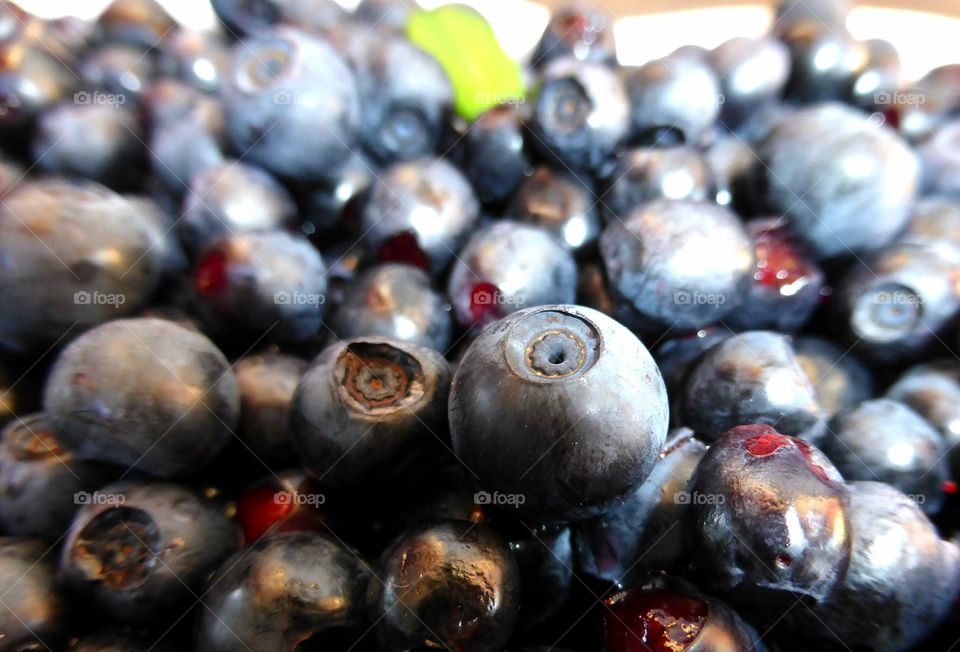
x=751, y=377
x=449, y=584
x=560, y=202
x=903, y=578
x=840, y=381
x=771, y=523
x=493, y=154
x=884, y=440
x=144, y=393
x=583, y=32
x=787, y=281
x=419, y=212
x=673, y=100
x=679, y=263
x=232, y=198
x=39, y=480
x=291, y=103
x=395, y=301
x=262, y=284
x=677, y=355
x=752, y=72
x=940, y=161
x=71, y=257
x=826, y=192
x=279, y=592
x=139, y=548
x=267, y=383
x=405, y=98
x=32, y=613
x=581, y=113
x=643, y=174
x=526, y=415
x=369, y=408
x=508, y=266
x=644, y=530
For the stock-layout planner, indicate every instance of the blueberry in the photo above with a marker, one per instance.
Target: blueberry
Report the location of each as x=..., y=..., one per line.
x=886, y=441
x=394, y=301
x=139, y=548
x=118, y=70
x=902, y=579
x=161, y=227
x=933, y=221
x=32, y=614
x=232, y=198
x=144, y=393
x=731, y=160
x=755, y=378
x=826, y=60
x=267, y=383
x=188, y=140
x=392, y=14
x=493, y=154
x=242, y=17
x=571, y=462
x=752, y=72
x=645, y=530
x=941, y=162
x=71, y=256
x=368, y=408
x=262, y=284
x=560, y=202
x=881, y=77
x=649, y=257
x=275, y=594
x=290, y=501
x=825, y=192
x=448, y=584
x=419, y=212
x=544, y=556
x=940, y=90
x=770, y=518
x=674, y=100
x=39, y=480
x=579, y=31
x=200, y=59
x=840, y=381
x=581, y=113
x=291, y=103
x=508, y=266
x=336, y=203
x=405, y=98
x=644, y=174
x=143, y=23
x=787, y=282
x=31, y=81
x=677, y=355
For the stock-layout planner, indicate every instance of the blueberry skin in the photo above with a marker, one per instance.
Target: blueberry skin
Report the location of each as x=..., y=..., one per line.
x=508, y=266
x=161, y=226
x=558, y=363
x=883, y=74
x=71, y=256
x=394, y=301
x=243, y=18
x=269, y=284
x=198, y=58
x=893, y=307
x=645, y=530
x=232, y=198
x=405, y=98
x=731, y=162
x=826, y=61
x=369, y=407
x=857, y=169
x=337, y=202
x=143, y=393
x=392, y=14
x=561, y=203
x=428, y=199
x=649, y=257
x=840, y=381
x=291, y=102
x=147, y=550
x=142, y=23
x=31, y=83
x=886, y=441
x=187, y=140
x=677, y=355
x=492, y=153
x=581, y=113
x=751, y=377
x=446, y=584
x=940, y=89
x=39, y=480
x=752, y=72
x=118, y=69
x=545, y=561
x=933, y=220
x=100, y=142
x=677, y=94
x=940, y=162
x=267, y=384
x=644, y=174
x=582, y=32
x=902, y=579
x=773, y=524
x=32, y=614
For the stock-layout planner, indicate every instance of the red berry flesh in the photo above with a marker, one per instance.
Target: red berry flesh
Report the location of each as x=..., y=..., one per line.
x=403, y=248
x=653, y=621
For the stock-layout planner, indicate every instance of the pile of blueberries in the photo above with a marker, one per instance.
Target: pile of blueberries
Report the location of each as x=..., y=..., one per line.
x=313, y=337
